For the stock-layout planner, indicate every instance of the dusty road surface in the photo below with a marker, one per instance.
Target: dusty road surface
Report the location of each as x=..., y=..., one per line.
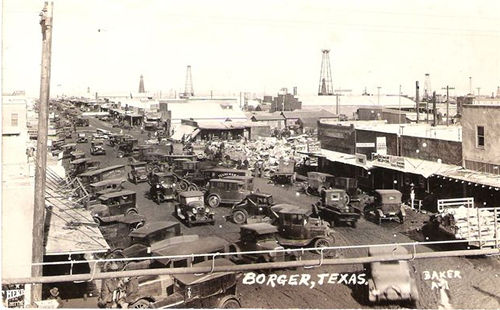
x=473, y=282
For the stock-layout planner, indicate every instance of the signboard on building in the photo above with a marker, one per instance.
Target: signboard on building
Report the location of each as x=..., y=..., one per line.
x=13, y=295
x=365, y=144
x=314, y=147
x=395, y=161
x=381, y=145
x=361, y=159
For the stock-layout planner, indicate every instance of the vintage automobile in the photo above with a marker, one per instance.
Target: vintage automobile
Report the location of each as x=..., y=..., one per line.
x=104, y=187
x=145, y=153
x=258, y=237
x=298, y=228
x=334, y=206
x=285, y=174
x=97, y=147
x=77, y=154
x=387, y=205
x=390, y=280
x=188, y=251
x=116, y=232
x=357, y=197
x=112, y=206
x=82, y=138
x=225, y=191
x=318, y=181
x=255, y=207
x=93, y=176
x=81, y=165
x=114, y=138
x=138, y=172
x=162, y=186
x=149, y=238
x=81, y=122
x=220, y=173
x=127, y=147
x=210, y=290
x=247, y=181
x=192, y=210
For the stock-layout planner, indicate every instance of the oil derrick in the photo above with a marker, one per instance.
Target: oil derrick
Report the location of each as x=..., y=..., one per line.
x=141, y=85
x=325, y=79
x=427, y=88
x=188, y=88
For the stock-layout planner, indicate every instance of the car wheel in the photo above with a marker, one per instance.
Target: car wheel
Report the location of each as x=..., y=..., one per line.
x=229, y=303
x=321, y=243
x=239, y=217
x=354, y=224
x=213, y=201
x=192, y=187
x=183, y=185
x=141, y=303
x=132, y=211
x=97, y=220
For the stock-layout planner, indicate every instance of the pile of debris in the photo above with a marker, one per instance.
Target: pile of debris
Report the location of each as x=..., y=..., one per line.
x=266, y=153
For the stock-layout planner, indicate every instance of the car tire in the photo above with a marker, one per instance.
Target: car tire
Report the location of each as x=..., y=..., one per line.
x=131, y=211
x=240, y=217
x=97, y=220
x=354, y=224
x=213, y=201
x=321, y=242
x=140, y=304
x=229, y=303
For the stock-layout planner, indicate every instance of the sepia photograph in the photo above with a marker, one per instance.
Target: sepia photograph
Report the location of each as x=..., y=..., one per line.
x=278, y=154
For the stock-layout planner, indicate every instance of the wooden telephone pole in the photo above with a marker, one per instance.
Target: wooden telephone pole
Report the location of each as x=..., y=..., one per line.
x=448, y=103
x=41, y=150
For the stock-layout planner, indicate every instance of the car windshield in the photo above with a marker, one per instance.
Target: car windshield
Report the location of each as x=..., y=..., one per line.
x=392, y=262
x=194, y=199
x=266, y=237
x=140, y=169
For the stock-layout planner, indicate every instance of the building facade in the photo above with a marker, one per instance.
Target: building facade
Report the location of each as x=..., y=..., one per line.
x=481, y=139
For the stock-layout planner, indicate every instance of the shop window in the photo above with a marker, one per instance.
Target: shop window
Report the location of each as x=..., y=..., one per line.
x=480, y=137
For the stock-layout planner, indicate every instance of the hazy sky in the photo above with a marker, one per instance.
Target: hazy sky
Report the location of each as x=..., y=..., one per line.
x=256, y=46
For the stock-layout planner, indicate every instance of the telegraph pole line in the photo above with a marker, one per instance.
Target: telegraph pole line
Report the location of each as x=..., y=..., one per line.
x=41, y=150
x=448, y=103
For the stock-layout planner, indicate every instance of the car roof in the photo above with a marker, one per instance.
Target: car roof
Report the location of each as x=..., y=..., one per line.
x=191, y=161
x=258, y=194
x=151, y=227
x=226, y=181
x=77, y=152
x=260, y=228
x=108, y=181
x=238, y=177
x=217, y=169
x=188, y=194
x=334, y=190
x=388, y=192
x=191, y=278
x=117, y=194
x=79, y=161
x=314, y=173
x=139, y=163
x=384, y=250
x=163, y=174
x=200, y=246
x=98, y=171
x=289, y=209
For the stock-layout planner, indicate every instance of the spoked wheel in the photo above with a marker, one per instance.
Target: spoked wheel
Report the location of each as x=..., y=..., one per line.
x=239, y=217
x=141, y=304
x=183, y=185
x=192, y=187
x=213, y=201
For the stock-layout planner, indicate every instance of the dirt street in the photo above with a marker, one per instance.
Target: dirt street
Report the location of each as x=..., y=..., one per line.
x=477, y=286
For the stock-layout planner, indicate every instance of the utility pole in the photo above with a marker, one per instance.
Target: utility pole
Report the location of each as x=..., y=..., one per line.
x=448, y=104
x=338, y=92
x=470, y=85
x=378, y=95
x=478, y=91
x=399, y=103
x=434, y=110
x=41, y=150
x=417, y=99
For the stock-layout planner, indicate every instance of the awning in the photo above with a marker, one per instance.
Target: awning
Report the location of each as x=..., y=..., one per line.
x=477, y=177
x=339, y=157
x=182, y=130
x=421, y=167
x=71, y=228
